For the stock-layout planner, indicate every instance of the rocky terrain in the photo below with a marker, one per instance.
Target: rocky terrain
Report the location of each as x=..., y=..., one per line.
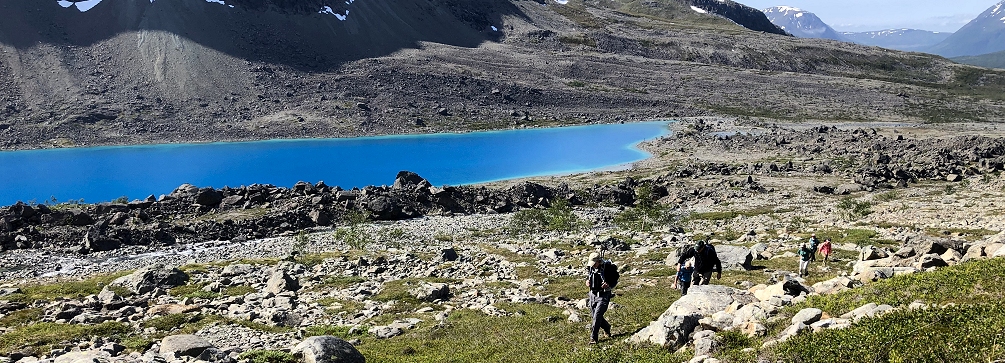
x=403, y=272
x=129, y=72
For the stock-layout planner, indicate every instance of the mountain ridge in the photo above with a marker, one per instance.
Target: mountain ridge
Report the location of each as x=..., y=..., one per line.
x=984, y=34
x=128, y=71
x=911, y=40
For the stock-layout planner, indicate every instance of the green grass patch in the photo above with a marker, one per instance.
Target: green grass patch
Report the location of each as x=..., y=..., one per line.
x=43, y=336
x=973, y=282
x=267, y=356
x=65, y=289
x=238, y=290
x=647, y=214
x=857, y=236
x=338, y=282
x=169, y=322
x=557, y=217
x=21, y=317
x=972, y=333
x=194, y=291
x=137, y=343
x=535, y=333
x=727, y=215
x=888, y=196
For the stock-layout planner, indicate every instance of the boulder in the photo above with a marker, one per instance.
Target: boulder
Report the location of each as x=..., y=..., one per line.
x=327, y=349
x=807, y=316
x=96, y=241
x=905, y=252
x=233, y=201
x=974, y=252
x=674, y=326
x=875, y=274
x=834, y=285
x=718, y=322
x=793, y=330
x=208, y=197
x=994, y=250
x=928, y=245
x=238, y=269
x=448, y=254
x=320, y=217
x=409, y=180
x=783, y=288
x=89, y=356
x=872, y=253
x=80, y=218
x=151, y=277
x=753, y=329
x=280, y=281
x=825, y=189
x=184, y=191
x=757, y=250
x=431, y=291
x=845, y=189
x=184, y=345
x=734, y=258
x=705, y=343
x=930, y=260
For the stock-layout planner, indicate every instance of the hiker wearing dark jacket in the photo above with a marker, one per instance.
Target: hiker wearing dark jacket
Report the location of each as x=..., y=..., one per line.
x=601, y=277
x=706, y=261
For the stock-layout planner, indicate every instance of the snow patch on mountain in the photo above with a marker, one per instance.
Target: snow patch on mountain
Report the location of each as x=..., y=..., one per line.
x=698, y=10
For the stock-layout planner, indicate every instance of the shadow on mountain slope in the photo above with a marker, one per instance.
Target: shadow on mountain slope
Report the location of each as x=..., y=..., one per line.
x=285, y=32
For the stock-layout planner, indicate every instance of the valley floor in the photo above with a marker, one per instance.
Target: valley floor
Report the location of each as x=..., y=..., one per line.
x=913, y=211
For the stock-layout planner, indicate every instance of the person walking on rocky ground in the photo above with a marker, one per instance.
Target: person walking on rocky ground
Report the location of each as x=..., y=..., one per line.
x=683, y=279
x=602, y=276
x=706, y=261
x=814, y=243
x=805, y=255
x=825, y=249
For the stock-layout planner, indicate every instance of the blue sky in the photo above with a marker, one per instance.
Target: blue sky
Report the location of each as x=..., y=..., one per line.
x=866, y=15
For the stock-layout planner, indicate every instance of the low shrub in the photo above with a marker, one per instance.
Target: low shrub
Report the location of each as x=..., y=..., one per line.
x=267, y=356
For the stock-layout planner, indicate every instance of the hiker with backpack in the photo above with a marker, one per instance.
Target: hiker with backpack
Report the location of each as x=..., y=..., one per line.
x=805, y=255
x=706, y=261
x=601, y=277
x=814, y=244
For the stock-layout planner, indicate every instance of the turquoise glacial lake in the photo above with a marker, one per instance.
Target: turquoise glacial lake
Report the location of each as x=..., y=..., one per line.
x=105, y=173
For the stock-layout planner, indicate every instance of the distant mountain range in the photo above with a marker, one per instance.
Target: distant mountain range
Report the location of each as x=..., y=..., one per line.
x=801, y=23
x=985, y=34
x=912, y=40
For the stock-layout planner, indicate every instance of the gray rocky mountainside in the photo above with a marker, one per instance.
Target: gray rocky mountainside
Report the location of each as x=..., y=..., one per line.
x=132, y=71
x=985, y=34
x=912, y=40
x=801, y=23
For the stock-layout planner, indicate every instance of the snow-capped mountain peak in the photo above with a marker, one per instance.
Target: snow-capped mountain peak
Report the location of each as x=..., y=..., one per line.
x=985, y=34
x=800, y=23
